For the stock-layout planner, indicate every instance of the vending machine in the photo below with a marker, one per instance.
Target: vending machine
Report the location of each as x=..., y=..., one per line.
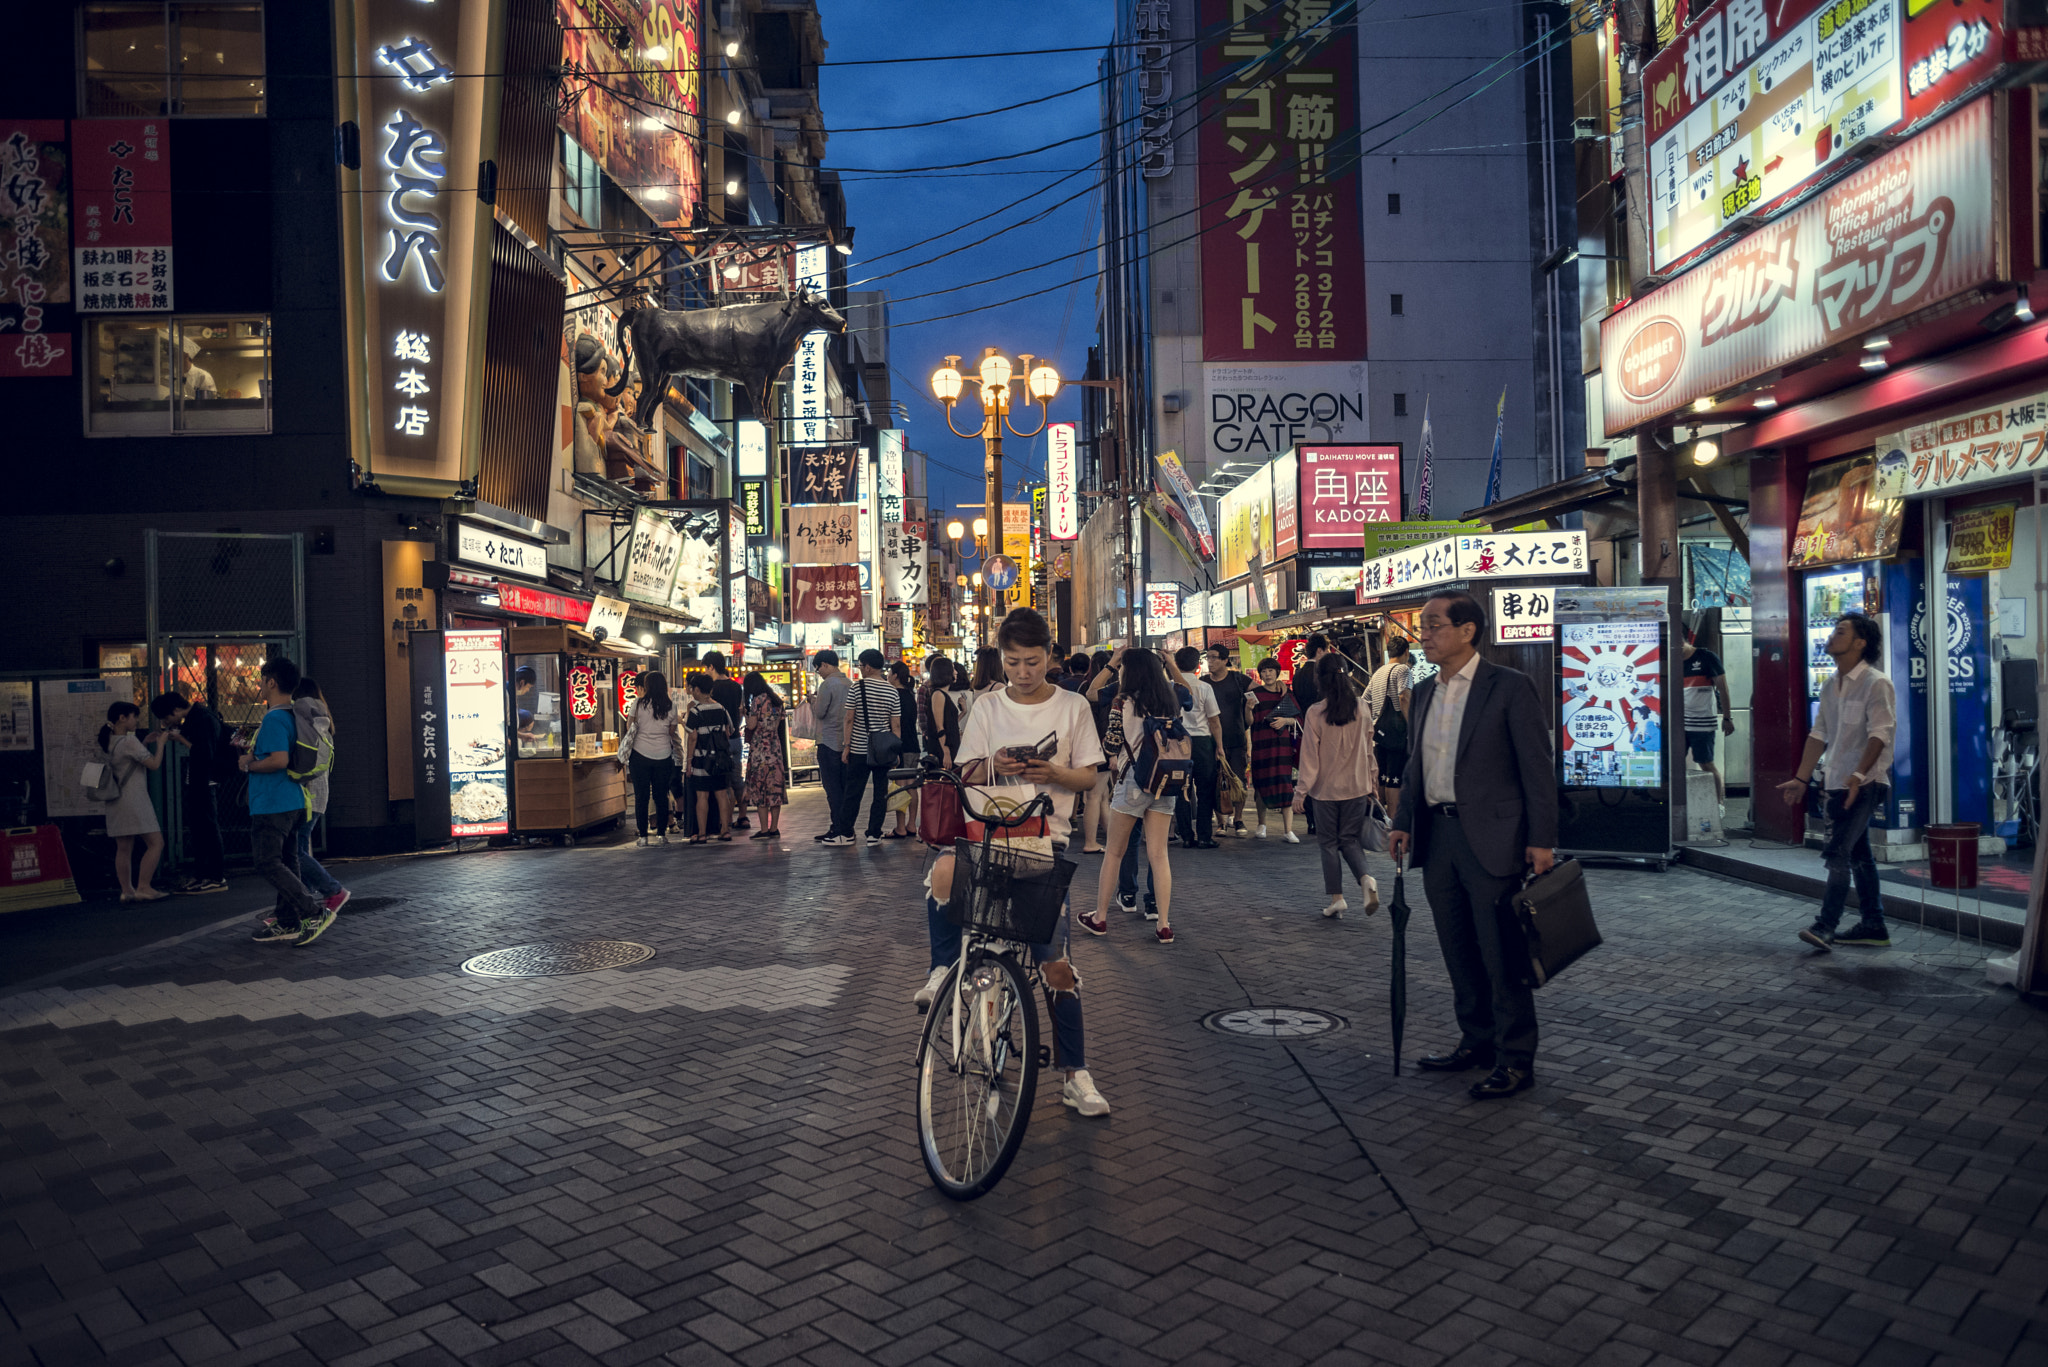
x=1828, y=594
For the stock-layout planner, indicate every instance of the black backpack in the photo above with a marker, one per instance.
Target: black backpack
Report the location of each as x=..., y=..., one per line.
x=1390, y=729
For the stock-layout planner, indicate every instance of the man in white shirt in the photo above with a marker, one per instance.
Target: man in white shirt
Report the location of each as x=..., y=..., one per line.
x=1482, y=808
x=1858, y=718
x=1029, y=711
x=1391, y=683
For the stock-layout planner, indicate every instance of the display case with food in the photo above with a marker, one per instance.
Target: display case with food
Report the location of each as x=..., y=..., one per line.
x=566, y=778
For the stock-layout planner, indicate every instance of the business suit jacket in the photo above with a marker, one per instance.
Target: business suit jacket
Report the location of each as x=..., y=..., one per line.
x=1507, y=790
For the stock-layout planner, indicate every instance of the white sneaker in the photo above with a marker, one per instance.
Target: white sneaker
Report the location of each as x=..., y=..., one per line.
x=1080, y=1093
x=1372, y=894
x=923, y=999
x=1260, y=833
x=1291, y=838
x=661, y=840
x=641, y=842
x=1338, y=906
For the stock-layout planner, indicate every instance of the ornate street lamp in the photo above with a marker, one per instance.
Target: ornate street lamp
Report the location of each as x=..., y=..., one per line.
x=996, y=375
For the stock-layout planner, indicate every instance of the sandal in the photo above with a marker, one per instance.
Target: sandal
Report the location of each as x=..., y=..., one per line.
x=696, y=840
x=725, y=840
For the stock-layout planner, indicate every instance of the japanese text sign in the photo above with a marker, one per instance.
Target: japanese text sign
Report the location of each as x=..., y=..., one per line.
x=1063, y=481
x=644, y=136
x=754, y=505
x=651, y=558
x=1283, y=274
x=810, y=405
x=1754, y=100
x=1915, y=226
x=824, y=474
x=904, y=564
x=1480, y=555
x=1966, y=448
x=889, y=457
x=824, y=534
x=1344, y=487
x=35, y=248
x=418, y=233
x=121, y=212
x=531, y=602
x=1162, y=609
x=479, y=801
x=1154, y=25
x=825, y=593
x=1980, y=539
x=1246, y=513
x=1521, y=615
x=1287, y=504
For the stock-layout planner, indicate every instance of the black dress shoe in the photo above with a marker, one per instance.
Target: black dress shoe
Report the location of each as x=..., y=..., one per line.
x=1457, y=1061
x=1502, y=1081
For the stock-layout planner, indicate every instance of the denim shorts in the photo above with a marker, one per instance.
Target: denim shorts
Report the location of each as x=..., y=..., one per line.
x=1135, y=802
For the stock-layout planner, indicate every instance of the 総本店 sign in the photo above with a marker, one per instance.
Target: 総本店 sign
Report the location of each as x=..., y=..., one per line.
x=1915, y=226
x=1980, y=539
x=1754, y=100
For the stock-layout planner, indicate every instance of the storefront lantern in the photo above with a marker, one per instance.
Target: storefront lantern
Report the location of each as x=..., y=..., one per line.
x=582, y=692
x=629, y=691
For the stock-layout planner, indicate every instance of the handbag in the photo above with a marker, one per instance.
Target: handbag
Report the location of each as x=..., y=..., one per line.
x=1229, y=789
x=101, y=781
x=803, y=722
x=1556, y=920
x=1377, y=826
x=884, y=747
x=939, y=822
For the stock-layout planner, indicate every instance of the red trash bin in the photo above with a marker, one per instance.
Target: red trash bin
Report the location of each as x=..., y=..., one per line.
x=1952, y=854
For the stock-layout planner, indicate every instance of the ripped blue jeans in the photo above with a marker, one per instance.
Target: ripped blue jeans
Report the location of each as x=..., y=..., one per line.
x=1069, y=1039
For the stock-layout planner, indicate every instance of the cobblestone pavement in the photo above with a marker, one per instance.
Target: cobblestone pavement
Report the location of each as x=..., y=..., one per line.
x=1737, y=1152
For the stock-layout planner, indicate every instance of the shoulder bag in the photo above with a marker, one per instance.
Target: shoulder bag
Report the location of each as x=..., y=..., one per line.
x=1556, y=919
x=803, y=721
x=884, y=746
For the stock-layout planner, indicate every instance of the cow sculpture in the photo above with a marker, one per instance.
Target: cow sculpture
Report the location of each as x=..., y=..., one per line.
x=746, y=344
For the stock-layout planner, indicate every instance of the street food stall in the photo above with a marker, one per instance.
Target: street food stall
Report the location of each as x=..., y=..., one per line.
x=570, y=696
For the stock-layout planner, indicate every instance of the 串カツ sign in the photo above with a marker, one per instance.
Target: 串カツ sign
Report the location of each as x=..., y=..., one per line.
x=1914, y=227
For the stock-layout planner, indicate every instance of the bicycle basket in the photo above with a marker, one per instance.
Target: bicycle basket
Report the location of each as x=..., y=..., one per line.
x=1009, y=894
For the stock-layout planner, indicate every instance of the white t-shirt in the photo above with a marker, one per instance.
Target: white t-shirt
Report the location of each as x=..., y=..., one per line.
x=1196, y=717
x=997, y=722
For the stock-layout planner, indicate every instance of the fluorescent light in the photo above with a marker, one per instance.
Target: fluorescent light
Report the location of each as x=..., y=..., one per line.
x=1873, y=363
x=1765, y=403
x=1703, y=405
x=1877, y=341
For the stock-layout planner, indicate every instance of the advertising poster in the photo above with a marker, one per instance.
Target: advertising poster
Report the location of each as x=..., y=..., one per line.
x=824, y=534
x=1283, y=269
x=1256, y=411
x=17, y=720
x=1246, y=513
x=1183, y=504
x=1287, y=505
x=1980, y=540
x=479, y=791
x=35, y=248
x=1843, y=517
x=650, y=559
x=903, y=564
x=699, y=590
x=1968, y=448
x=121, y=212
x=73, y=711
x=658, y=166
x=822, y=474
x=1613, y=716
x=825, y=593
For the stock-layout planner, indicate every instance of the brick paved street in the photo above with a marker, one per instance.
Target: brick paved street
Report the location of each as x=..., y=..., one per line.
x=350, y=1154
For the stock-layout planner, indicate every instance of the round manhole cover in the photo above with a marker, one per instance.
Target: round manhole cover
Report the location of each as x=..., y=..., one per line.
x=1273, y=1022
x=552, y=957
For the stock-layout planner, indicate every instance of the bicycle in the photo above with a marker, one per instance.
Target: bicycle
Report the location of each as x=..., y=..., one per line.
x=979, y=1054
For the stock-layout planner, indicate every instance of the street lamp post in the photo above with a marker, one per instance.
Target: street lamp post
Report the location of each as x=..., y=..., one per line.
x=1041, y=383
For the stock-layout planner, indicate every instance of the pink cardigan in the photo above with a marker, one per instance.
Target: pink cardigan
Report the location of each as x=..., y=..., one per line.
x=1336, y=761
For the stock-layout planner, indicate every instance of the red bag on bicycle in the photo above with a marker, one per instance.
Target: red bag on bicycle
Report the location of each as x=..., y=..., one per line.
x=939, y=819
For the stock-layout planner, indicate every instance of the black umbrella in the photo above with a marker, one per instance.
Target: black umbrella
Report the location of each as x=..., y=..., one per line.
x=1397, y=978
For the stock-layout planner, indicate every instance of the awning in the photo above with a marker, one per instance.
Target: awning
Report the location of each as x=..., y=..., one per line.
x=1553, y=501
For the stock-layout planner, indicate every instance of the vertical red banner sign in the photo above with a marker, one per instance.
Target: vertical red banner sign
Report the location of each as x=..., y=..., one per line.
x=121, y=208
x=35, y=248
x=1283, y=259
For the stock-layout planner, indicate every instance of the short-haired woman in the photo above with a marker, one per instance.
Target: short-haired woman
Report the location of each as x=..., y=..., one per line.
x=1276, y=733
x=1338, y=771
x=132, y=814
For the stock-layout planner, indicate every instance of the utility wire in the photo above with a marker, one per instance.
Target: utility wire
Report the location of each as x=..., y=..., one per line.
x=1089, y=84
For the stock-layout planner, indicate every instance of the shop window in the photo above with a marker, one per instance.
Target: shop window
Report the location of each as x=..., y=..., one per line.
x=582, y=183
x=191, y=60
x=1395, y=305
x=149, y=376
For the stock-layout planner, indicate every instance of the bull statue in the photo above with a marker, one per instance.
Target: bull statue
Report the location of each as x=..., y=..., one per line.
x=746, y=344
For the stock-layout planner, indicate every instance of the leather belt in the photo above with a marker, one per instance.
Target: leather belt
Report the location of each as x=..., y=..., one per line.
x=1449, y=809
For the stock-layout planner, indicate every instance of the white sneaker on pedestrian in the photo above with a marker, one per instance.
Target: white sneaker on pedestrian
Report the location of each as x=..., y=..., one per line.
x=1080, y=1093
x=641, y=842
x=1291, y=838
x=923, y=999
x=1260, y=833
x=1338, y=906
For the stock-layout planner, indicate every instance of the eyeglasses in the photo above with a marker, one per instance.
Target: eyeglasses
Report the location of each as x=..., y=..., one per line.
x=1435, y=623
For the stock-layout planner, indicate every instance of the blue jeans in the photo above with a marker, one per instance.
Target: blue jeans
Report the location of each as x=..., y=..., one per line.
x=318, y=881
x=1847, y=856
x=1134, y=860
x=1069, y=1038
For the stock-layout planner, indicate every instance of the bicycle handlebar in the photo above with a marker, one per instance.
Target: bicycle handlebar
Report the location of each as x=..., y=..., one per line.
x=1039, y=805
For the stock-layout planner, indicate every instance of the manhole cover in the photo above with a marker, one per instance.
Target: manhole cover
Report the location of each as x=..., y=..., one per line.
x=552, y=957
x=1273, y=1022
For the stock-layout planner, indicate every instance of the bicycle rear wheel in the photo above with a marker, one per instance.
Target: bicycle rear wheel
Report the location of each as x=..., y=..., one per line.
x=977, y=1076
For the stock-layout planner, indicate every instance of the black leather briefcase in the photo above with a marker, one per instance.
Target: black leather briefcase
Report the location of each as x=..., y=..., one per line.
x=1556, y=919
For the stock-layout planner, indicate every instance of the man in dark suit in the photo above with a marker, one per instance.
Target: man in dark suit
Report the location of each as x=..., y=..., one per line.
x=1480, y=806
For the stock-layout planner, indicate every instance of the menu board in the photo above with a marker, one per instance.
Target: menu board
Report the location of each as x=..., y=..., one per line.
x=479, y=801
x=1613, y=732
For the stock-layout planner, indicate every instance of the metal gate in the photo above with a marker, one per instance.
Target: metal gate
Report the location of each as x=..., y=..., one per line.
x=219, y=605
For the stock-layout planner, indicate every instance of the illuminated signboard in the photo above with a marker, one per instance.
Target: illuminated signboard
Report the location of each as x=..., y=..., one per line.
x=417, y=233
x=1063, y=479
x=889, y=449
x=479, y=797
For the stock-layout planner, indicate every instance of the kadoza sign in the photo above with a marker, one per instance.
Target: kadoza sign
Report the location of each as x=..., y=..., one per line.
x=1914, y=227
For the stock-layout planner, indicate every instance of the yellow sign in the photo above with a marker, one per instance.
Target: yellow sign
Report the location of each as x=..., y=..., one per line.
x=1017, y=534
x=1980, y=539
x=1246, y=513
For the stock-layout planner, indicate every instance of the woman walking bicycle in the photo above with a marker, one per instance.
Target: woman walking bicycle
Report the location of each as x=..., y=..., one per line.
x=1338, y=772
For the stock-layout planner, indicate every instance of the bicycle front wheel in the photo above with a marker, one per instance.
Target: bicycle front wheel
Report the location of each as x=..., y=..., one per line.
x=977, y=1075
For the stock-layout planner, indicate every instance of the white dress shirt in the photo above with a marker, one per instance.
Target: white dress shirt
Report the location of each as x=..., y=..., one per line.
x=1858, y=704
x=1440, y=733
